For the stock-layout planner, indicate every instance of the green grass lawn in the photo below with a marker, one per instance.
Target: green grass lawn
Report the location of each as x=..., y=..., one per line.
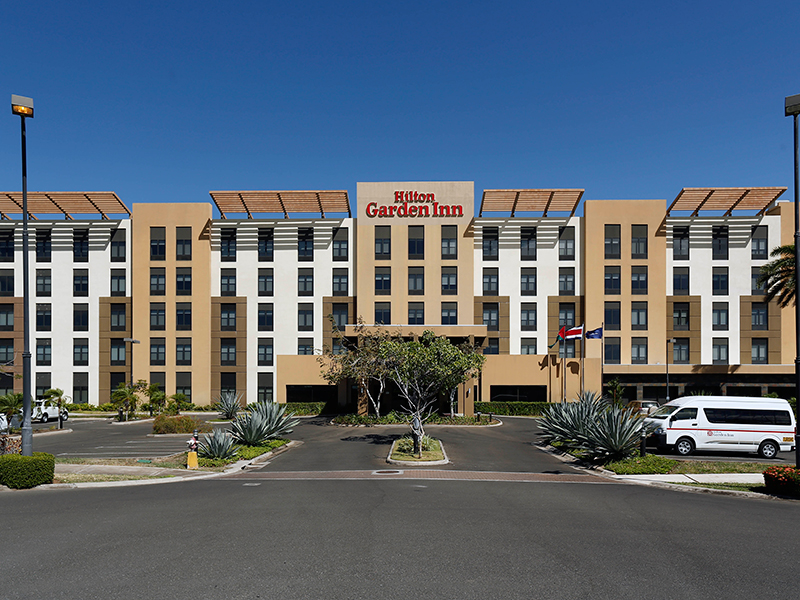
x=655, y=464
x=435, y=453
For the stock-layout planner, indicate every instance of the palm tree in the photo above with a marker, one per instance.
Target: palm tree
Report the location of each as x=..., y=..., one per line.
x=10, y=406
x=126, y=397
x=56, y=396
x=778, y=277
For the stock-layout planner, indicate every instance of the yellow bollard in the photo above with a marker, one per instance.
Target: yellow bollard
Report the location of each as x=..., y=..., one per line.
x=191, y=460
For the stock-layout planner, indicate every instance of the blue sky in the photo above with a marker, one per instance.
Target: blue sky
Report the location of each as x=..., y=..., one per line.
x=164, y=101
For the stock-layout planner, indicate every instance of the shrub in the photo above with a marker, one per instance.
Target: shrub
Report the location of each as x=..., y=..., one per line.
x=107, y=407
x=217, y=445
x=306, y=408
x=651, y=464
x=250, y=452
x=406, y=444
x=23, y=472
x=512, y=408
x=262, y=421
x=229, y=404
x=83, y=406
x=782, y=480
x=179, y=424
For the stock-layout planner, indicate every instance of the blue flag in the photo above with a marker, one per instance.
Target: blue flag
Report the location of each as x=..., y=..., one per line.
x=595, y=334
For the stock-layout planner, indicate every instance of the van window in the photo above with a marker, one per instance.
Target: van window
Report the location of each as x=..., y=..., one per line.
x=744, y=416
x=685, y=414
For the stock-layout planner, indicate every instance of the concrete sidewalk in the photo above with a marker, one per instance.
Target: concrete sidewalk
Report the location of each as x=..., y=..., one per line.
x=751, y=478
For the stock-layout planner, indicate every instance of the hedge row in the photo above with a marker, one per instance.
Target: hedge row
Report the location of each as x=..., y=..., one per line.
x=305, y=408
x=512, y=408
x=23, y=472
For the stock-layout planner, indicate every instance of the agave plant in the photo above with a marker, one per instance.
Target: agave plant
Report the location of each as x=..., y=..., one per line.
x=567, y=422
x=228, y=405
x=614, y=434
x=262, y=421
x=219, y=444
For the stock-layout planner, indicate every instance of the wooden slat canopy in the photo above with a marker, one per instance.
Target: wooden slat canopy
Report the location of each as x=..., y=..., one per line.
x=63, y=203
x=726, y=199
x=543, y=201
x=254, y=202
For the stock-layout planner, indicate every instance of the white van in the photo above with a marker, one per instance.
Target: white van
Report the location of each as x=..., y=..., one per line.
x=724, y=423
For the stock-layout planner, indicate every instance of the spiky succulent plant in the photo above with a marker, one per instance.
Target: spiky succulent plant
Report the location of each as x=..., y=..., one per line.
x=228, y=404
x=219, y=444
x=260, y=422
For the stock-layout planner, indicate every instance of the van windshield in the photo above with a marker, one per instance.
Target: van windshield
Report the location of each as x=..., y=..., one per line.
x=663, y=412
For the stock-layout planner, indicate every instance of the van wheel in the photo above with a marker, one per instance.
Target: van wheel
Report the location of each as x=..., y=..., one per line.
x=44, y=418
x=684, y=446
x=768, y=449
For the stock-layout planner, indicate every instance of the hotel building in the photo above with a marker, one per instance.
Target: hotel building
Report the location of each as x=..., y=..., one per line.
x=171, y=294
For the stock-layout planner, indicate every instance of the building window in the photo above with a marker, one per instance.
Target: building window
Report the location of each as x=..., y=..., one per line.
x=7, y=245
x=341, y=315
x=80, y=282
x=158, y=281
x=719, y=316
x=158, y=351
x=566, y=281
x=183, y=281
x=528, y=346
x=227, y=245
x=383, y=242
x=612, y=241
x=6, y=317
x=680, y=351
x=183, y=243
x=305, y=317
x=80, y=317
x=44, y=317
x=340, y=252
x=44, y=246
x=264, y=390
x=158, y=320
x=611, y=351
x=638, y=280
x=266, y=245
x=158, y=243
x=6, y=282
x=305, y=346
x=118, y=317
x=118, y=247
x=183, y=351
x=491, y=316
x=416, y=313
x=43, y=282
x=719, y=351
x=639, y=315
x=80, y=388
x=490, y=285
x=566, y=243
x=491, y=243
x=43, y=383
x=416, y=281
x=528, y=281
x=638, y=241
x=183, y=316
x=759, y=318
x=492, y=346
x=680, y=243
x=80, y=352
x=416, y=242
x=6, y=351
x=117, y=353
x=266, y=285
x=449, y=281
x=383, y=281
x=305, y=282
x=527, y=244
x=118, y=282
x=80, y=245
x=759, y=351
x=719, y=277
x=449, y=313
x=680, y=281
x=566, y=314
x=449, y=242
x=383, y=313
x=528, y=316
x=265, y=356
x=227, y=282
x=611, y=316
x=227, y=352
x=227, y=317
x=340, y=282
x=612, y=284
x=638, y=351
x=758, y=244
x=719, y=242
x=680, y=316
x=755, y=275
x=305, y=244
x=566, y=349
x=265, y=317
x=44, y=352
x=227, y=383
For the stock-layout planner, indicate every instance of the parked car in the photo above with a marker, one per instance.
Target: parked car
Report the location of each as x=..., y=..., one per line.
x=15, y=422
x=44, y=411
x=644, y=407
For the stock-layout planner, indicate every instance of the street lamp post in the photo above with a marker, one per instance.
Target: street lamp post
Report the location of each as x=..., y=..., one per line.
x=793, y=109
x=22, y=106
x=666, y=363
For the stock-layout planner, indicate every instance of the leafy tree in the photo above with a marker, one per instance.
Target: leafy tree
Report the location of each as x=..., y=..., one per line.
x=11, y=406
x=616, y=390
x=778, y=277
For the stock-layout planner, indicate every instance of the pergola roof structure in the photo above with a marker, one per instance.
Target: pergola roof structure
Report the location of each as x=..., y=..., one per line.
x=726, y=199
x=62, y=203
x=252, y=202
x=530, y=201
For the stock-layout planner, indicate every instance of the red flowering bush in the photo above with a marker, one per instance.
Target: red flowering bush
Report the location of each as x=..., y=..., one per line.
x=782, y=480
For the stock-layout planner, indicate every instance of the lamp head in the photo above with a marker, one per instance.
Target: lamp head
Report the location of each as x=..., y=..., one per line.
x=793, y=105
x=22, y=106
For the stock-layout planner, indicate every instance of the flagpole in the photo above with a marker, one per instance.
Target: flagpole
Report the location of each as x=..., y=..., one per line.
x=602, y=356
x=583, y=357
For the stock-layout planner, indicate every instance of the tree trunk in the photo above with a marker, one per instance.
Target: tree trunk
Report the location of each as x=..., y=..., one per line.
x=363, y=400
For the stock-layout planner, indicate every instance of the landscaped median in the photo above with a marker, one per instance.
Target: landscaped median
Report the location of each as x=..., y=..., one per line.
x=431, y=453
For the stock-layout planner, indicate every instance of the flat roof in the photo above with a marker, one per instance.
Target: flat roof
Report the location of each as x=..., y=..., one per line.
x=254, y=202
x=542, y=201
x=726, y=199
x=62, y=203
